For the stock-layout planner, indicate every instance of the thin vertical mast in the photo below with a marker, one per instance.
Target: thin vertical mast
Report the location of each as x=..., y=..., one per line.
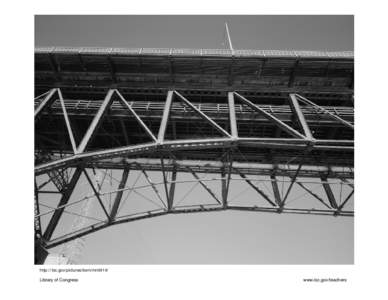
x=228, y=36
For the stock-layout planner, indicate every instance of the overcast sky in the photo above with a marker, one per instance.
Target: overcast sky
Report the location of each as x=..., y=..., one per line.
x=247, y=32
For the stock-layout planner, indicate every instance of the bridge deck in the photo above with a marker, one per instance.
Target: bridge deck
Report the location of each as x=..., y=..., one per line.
x=217, y=69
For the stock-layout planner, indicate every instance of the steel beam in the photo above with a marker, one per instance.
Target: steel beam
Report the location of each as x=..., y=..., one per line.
x=45, y=102
x=346, y=200
x=138, y=119
x=166, y=115
x=203, y=116
x=276, y=191
x=204, y=185
x=119, y=194
x=68, y=126
x=171, y=192
x=152, y=185
x=260, y=192
x=230, y=167
x=271, y=118
x=102, y=225
x=333, y=116
x=329, y=192
x=314, y=195
x=96, y=122
x=232, y=115
x=224, y=191
x=97, y=195
x=254, y=168
x=291, y=183
x=165, y=180
x=64, y=200
x=300, y=117
x=38, y=226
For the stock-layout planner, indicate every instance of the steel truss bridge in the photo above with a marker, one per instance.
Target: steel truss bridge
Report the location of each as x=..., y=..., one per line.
x=271, y=121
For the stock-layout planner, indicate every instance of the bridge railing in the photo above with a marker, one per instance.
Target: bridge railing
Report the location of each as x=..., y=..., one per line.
x=194, y=52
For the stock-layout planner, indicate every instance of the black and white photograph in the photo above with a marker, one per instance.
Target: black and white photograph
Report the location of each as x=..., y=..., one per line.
x=179, y=140
x=193, y=150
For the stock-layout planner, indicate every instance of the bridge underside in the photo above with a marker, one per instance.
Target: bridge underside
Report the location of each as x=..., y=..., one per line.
x=272, y=134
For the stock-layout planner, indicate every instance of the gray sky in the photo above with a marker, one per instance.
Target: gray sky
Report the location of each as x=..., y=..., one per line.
x=248, y=32
x=223, y=237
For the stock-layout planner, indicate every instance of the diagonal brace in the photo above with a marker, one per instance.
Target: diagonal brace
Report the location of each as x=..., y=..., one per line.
x=333, y=116
x=138, y=119
x=314, y=195
x=265, y=196
x=152, y=184
x=271, y=118
x=203, y=116
x=203, y=185
x=96, y=193
x=346, y=200
x=45, y=102
x=96, y=122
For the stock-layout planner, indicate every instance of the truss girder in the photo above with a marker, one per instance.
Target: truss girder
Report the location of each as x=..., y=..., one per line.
x=170, y=158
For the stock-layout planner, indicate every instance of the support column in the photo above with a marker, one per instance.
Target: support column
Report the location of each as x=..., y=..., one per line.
x=166, y=114
x=276, y=191
x=119, y=195
x=232, y=115
x=172, y=189
x=64, y=200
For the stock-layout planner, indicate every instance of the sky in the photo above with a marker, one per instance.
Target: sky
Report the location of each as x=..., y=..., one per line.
x=332, y=33
x=227, y=237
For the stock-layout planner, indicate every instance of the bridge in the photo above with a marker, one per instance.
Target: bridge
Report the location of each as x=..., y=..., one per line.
x=279, y=123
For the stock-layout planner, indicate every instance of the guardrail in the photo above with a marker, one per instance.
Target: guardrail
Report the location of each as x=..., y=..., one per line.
x=193, y=52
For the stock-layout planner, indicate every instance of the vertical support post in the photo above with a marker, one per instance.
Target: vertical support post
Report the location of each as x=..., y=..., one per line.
x=172, y=189
x=230, y=166
x=68, y=126
x=96, y=122
x=276, y=191
x=119, y=195
x=232, y=116
x=65, y=198
x=38, y=227
x=224, y=188
x=164, y=179
x=166, y=114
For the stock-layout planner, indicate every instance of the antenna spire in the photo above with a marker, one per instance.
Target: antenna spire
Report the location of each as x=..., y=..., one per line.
x=228, y=36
